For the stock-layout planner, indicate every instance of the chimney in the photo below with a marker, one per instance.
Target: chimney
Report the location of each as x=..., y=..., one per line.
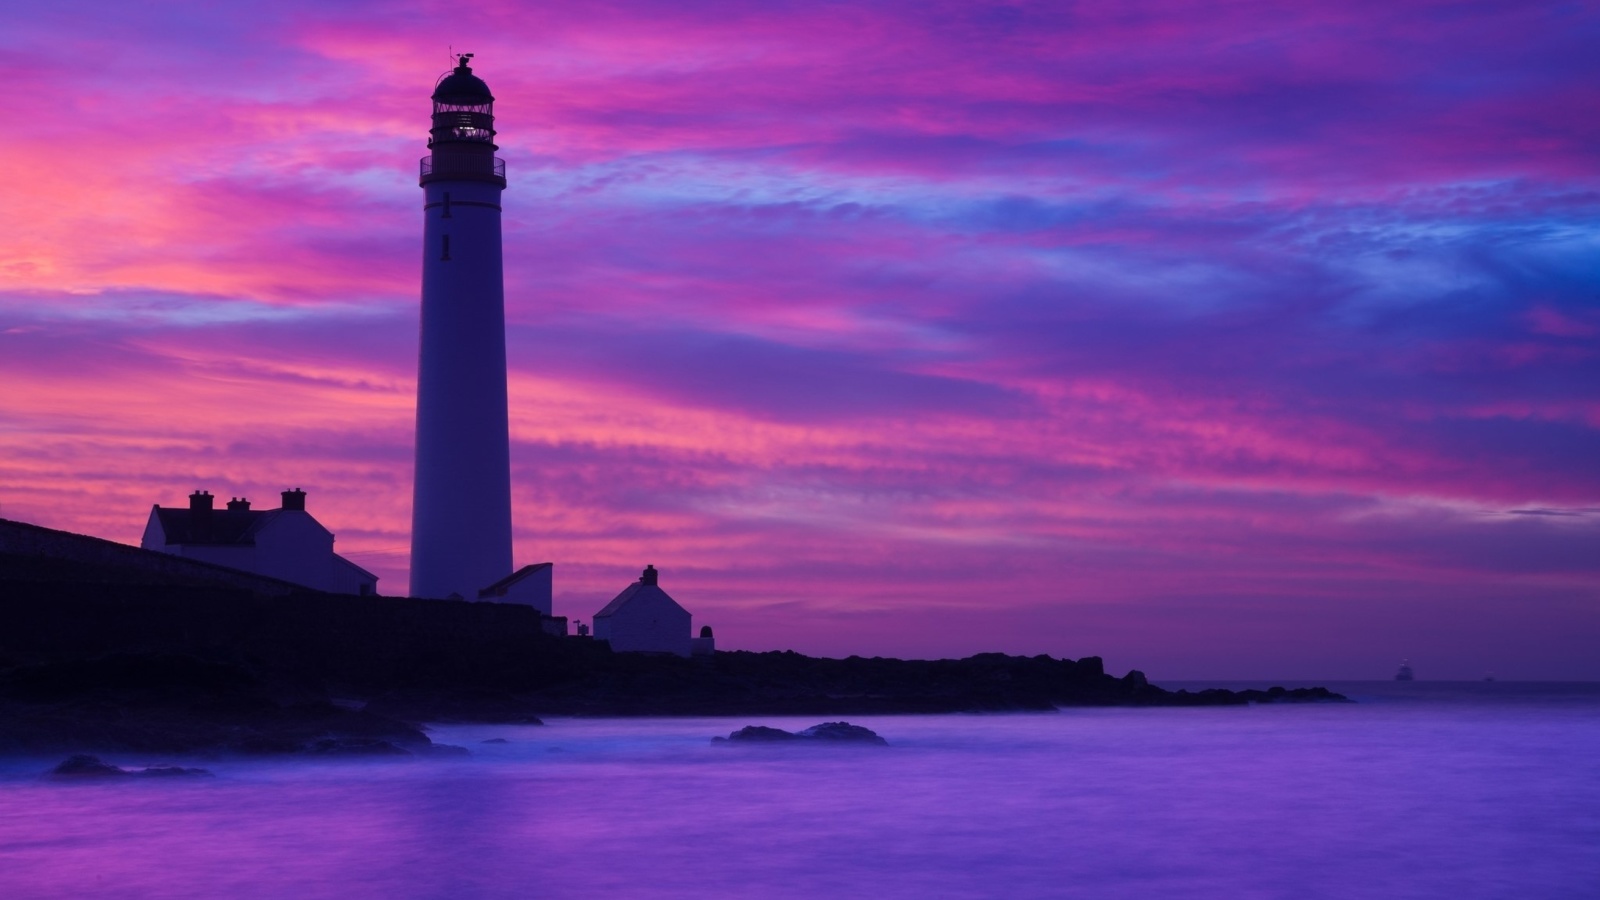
x=200, y=516
x=649, y=576
x=295, y=499
x=238, y=504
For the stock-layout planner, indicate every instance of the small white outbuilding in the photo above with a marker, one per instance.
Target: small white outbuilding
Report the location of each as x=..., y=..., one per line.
x=643, y=618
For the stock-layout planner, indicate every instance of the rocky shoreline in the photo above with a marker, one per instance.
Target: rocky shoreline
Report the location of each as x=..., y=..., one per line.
x=106, y=648
x=188, y=705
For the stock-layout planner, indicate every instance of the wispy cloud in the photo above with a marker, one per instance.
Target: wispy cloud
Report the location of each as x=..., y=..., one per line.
x=1136, y=329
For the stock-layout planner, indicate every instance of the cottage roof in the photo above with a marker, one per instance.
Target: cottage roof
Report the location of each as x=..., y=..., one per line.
x=223, y=526
x=633, y=592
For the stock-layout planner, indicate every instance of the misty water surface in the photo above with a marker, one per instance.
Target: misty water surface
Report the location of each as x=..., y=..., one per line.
x=1422, y=791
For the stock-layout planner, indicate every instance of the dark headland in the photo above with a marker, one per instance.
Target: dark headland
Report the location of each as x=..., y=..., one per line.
x=105, y=647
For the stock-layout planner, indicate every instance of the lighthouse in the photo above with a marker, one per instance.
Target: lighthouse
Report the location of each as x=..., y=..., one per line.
x=461, y=499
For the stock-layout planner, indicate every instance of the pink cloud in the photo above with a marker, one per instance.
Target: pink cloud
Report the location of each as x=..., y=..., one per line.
x=1253, y=322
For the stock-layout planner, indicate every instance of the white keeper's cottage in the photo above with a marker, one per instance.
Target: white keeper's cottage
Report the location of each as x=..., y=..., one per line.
x=285, y=543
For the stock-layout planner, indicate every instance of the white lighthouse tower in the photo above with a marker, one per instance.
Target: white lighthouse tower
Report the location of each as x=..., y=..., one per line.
x=461, y=504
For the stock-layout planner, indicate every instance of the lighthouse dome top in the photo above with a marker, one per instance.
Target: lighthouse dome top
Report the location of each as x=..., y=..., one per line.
x=461, y=87
x=463, y=125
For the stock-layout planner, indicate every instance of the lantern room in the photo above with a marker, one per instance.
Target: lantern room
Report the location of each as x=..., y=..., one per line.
x=462, y=136
x=463, y=108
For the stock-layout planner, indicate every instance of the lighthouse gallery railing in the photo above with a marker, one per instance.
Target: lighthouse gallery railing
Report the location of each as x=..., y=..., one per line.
x=461, y=165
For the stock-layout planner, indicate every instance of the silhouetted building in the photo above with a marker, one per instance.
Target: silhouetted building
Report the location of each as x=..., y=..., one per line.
x=644, y=618
x=461, y=502
x=530, y=586
x=285, y=543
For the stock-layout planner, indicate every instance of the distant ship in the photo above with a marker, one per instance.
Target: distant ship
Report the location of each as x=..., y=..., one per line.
x=1405, y=673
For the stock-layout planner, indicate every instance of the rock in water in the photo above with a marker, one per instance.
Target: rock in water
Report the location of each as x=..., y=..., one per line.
x=85, y=766
x=757, y=734
x=842, y=731
x=829, y=732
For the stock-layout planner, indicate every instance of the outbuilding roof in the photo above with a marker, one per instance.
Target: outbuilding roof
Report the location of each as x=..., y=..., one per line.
x=501, y=586
x=645, y=587
x=341, y=561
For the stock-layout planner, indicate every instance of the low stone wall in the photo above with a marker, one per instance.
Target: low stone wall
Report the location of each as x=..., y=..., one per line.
x=337, y=639
x=70, y=596
x=30, y=552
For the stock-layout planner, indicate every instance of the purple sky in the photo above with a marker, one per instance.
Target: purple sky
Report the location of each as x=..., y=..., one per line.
x=1218, y=339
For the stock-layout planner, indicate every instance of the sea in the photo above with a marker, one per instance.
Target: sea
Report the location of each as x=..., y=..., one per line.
x=1421, y=789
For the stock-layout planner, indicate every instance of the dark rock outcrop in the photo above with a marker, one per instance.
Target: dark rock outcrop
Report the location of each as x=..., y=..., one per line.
x=757, y=734
x=842, y=732
x=827, y=732
x=86, y=767
x=169, y=704
x=82, y=765
x=1293, y=695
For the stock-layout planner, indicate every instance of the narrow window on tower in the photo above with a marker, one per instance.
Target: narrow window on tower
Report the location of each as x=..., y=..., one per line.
x=446, y=253
x=446, y=205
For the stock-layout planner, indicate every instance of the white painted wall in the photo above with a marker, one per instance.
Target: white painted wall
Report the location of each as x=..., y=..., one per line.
x=349, y=578
x=154, y=538
x=234, y=557
x=295, y=547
